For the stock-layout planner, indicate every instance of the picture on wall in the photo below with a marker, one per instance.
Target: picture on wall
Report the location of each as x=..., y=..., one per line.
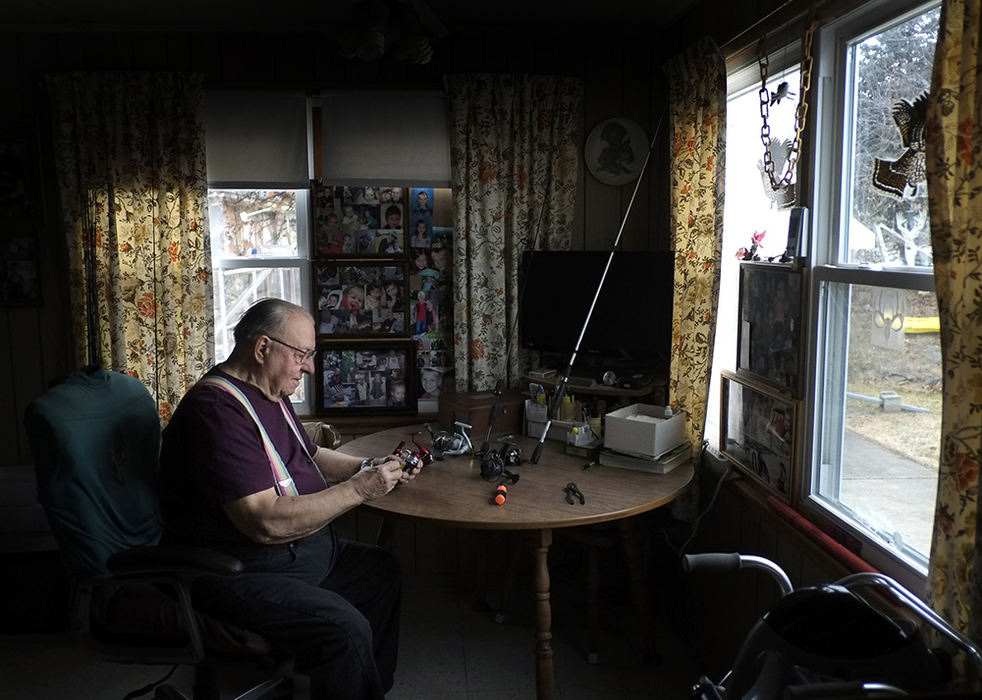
x=359, y=221
x=358, y=298
x=367, y=377
x=769, y=340
x=430, y=301
x=20, y=282
x=758, y=429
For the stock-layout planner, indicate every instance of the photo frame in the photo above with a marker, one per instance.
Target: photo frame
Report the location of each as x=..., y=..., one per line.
x=366, y=377
x=363, y=222
x=759, y=432
x=769, y=338
x=361, y=298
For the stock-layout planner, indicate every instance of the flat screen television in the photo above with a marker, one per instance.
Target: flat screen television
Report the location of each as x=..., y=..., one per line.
x=632, y=319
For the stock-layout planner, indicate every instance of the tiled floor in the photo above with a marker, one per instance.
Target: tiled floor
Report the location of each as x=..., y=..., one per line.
x=451, y=649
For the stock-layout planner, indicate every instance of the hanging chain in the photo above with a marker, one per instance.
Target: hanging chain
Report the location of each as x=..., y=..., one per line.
x=805, y=81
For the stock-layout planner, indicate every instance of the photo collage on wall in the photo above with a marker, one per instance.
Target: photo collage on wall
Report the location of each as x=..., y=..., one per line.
x=383, y=271
x=361, y=299
x=430, y=308
x=358, y=221
x=367, y=377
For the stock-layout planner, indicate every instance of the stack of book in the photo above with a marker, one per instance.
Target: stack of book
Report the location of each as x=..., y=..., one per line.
x=657, y=465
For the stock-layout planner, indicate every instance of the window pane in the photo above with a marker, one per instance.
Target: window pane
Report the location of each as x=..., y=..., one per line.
x=237, y=289
x=888, y=218
x=882, y=412
x=247, y=223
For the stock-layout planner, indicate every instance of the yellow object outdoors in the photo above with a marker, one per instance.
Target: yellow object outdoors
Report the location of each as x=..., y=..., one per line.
x=922, y=324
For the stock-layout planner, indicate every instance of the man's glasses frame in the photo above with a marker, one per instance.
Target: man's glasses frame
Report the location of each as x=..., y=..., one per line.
x=303, y=355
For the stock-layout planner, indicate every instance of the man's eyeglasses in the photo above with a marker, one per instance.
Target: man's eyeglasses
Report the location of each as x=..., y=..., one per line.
x=302, y=355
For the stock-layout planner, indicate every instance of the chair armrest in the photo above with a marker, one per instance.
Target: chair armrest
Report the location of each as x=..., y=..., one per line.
x=322, y=434
x=179, y=560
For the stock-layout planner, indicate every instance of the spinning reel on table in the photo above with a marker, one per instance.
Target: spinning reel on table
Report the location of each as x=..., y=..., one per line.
x=450, y=443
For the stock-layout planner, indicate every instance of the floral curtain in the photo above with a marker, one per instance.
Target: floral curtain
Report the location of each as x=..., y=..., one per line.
x=954, y=142
x=130, y=156
x=697, y=133
x=513, y=146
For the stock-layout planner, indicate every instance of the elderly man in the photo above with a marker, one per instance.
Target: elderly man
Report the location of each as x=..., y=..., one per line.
x=239, y=474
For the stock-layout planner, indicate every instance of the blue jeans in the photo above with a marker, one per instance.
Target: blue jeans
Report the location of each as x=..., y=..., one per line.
x=333, y=604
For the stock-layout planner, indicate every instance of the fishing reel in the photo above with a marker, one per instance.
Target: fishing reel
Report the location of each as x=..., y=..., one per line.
x=411, y=460
x=495, y=463
x=511, y=454
x=424, y=453
x=450, y=443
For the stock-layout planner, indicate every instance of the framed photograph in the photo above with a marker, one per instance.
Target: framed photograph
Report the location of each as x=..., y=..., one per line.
x=367, y=377
x=361, y=298
x=758, y=431
x=359, y=222
x=769, y=338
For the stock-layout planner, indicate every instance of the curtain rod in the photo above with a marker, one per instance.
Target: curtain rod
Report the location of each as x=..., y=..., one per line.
x=757, y=23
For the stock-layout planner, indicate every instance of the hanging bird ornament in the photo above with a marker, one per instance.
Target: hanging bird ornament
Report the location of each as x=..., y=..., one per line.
x=783, y=90
x=894, y=177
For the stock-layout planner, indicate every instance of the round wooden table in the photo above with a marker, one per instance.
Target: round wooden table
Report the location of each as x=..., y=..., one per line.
x=451, y=492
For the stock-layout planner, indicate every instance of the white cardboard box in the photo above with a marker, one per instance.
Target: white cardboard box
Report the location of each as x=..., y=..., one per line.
x=642, y=429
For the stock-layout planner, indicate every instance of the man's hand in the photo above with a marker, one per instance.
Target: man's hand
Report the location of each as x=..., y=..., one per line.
x=379, y=479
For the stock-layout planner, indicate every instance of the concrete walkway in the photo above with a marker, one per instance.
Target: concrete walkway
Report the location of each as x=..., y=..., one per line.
x=895, y=494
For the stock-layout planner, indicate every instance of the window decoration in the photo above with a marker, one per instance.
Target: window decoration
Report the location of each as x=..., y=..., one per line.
x=781, y=189
x=896, y=176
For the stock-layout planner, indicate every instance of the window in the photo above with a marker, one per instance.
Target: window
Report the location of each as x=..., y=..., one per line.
x=747, y=207
x=873, y=399
x=255, y=247
x=877, y=394
x=258, y=151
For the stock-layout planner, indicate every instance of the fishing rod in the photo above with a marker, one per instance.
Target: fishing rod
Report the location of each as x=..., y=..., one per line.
x=560, y=392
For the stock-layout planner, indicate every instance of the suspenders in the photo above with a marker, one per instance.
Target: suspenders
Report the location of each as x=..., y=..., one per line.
x=281, y=475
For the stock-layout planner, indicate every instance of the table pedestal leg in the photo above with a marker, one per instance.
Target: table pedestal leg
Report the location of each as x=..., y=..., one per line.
x=545, y=681
x=642, y=606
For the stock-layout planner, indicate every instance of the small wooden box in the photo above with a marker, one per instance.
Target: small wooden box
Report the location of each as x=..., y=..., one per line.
x=474, y=408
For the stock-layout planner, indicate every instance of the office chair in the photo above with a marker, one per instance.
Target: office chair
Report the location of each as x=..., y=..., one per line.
x=95, y=437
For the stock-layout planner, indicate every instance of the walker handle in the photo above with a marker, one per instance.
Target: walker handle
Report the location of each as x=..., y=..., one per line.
x=718, y=561
x=715, y=561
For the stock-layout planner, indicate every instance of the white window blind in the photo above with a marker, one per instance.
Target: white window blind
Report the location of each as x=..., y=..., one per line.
x=385, y=138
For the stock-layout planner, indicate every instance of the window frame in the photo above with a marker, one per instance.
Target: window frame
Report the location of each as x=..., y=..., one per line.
x=829, y=204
